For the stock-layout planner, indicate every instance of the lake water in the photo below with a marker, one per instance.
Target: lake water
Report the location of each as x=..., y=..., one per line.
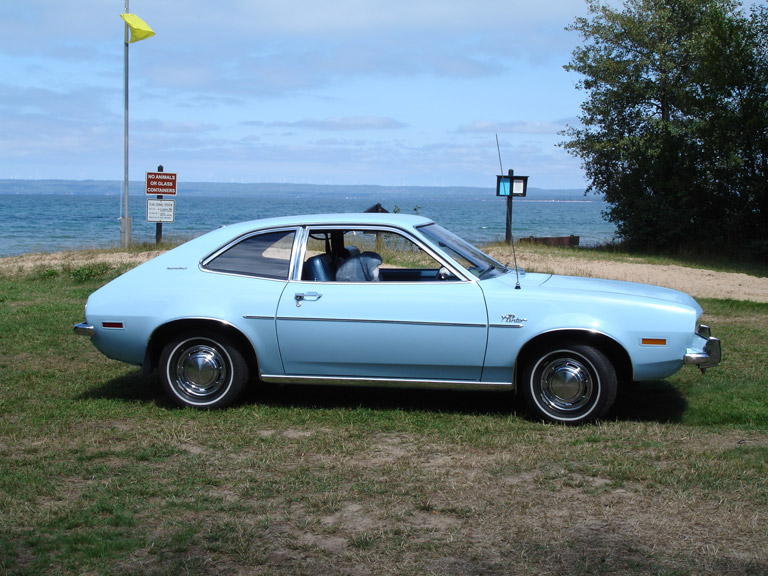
x=49, y=216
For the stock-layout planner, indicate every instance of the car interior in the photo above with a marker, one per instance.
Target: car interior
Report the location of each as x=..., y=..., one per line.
x=332, y=257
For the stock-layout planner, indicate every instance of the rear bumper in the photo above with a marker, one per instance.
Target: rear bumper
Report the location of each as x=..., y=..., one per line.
x=84, y=329
x=710, y=353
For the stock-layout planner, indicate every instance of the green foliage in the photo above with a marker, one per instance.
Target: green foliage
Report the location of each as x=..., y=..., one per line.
x=95, y=271
x=674, y=130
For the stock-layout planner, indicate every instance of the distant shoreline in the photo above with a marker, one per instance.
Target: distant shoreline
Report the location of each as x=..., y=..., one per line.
x=98, y=187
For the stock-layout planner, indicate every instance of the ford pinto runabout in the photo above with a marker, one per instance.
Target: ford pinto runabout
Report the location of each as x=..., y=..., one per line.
x=386, y=300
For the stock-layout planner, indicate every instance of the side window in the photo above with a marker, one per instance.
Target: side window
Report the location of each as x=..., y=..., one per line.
x=366, y=256
x=398, y=252
x=267, y=255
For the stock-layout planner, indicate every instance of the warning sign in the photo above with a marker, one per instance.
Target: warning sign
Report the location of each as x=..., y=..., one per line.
x=162, y=183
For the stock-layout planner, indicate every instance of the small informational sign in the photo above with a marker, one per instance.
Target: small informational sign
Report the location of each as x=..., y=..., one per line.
x=161, y=210
x=161, y=183
x=511, y=185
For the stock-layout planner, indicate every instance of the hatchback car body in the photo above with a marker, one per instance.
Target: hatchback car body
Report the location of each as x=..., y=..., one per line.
x=386, y=300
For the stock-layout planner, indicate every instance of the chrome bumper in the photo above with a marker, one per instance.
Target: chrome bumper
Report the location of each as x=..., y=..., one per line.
x=84, y=329
x=709, y=356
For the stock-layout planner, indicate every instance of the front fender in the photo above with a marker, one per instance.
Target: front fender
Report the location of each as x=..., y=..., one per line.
x=654, y=334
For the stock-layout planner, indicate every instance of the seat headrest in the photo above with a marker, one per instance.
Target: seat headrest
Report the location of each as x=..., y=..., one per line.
x=362, y=268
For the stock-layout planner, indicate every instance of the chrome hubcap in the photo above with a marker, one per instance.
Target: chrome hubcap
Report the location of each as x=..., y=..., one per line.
x=201, y=371
x=566, y=385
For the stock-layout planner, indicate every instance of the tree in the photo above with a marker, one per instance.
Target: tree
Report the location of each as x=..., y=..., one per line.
x=674, y=129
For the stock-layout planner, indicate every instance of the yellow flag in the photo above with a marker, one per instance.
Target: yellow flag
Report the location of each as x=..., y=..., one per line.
x=139, y=29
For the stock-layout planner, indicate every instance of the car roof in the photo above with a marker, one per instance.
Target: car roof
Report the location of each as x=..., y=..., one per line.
x=342, y=219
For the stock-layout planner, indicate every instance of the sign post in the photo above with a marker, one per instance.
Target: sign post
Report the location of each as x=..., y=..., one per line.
x=160, y=210
x=511, y=186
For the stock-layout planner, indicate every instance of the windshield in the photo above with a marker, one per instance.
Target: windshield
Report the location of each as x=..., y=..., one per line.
x=476, y=262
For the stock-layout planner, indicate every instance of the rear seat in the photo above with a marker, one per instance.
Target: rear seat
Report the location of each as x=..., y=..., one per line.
x=319, y=269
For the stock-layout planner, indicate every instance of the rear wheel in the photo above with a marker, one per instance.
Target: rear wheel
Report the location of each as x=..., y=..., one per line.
x=203, y=371
x=571, y=384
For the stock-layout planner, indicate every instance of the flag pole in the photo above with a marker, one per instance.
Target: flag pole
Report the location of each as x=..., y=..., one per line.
x=125, y=219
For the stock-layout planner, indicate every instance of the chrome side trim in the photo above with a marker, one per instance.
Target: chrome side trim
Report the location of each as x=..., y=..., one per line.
x=84, y=329
x=397, y=322
x=272, y=318
x=506, y=326
x=385, y=382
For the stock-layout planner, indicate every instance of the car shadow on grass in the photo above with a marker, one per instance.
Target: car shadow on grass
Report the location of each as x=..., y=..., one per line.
x=656, y=401
x=653, y=401
x=403, y=399
x=132, y=387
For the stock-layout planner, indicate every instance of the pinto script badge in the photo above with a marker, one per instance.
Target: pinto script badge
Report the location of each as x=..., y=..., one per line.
x=512, y=319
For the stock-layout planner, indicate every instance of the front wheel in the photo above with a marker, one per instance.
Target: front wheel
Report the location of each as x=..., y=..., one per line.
x=203, y=371
x=572, y=384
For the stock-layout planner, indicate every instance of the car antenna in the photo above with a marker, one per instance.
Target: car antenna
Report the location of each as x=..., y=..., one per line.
x=514, y=254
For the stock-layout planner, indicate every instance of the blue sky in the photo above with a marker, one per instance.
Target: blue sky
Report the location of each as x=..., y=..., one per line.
x=394, y=92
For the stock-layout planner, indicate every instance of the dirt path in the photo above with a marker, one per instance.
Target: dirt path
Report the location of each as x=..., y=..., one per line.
x=699, y=283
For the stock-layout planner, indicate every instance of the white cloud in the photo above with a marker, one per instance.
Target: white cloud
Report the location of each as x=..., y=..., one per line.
x=352, y=123
x=520, y=127
x=395, y=76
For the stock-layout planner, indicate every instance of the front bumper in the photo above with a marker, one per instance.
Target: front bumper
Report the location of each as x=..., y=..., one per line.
x=710, y=354
x=84, y=329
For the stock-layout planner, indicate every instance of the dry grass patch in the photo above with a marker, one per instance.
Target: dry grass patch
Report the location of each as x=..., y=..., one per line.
x=59, y=261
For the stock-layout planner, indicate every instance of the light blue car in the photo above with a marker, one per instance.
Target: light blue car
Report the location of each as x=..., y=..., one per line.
x=386, y=300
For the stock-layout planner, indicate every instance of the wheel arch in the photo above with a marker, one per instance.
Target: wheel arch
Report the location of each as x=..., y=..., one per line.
x=615, y=352
x=164, y=333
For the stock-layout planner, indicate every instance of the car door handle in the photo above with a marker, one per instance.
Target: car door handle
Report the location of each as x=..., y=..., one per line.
x=309, y=296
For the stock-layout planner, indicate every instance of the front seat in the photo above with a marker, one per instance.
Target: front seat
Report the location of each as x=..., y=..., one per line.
x=362, y=268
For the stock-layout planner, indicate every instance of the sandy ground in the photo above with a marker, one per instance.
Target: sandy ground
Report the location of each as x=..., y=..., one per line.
x=699, y=283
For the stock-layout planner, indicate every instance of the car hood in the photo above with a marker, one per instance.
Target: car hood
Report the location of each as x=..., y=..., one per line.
x=598, y=286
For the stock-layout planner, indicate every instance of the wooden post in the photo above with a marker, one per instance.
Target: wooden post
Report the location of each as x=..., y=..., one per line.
x=508, y=233
x=159, y=225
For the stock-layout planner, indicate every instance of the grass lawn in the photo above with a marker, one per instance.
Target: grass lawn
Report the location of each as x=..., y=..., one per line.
x=99, y=474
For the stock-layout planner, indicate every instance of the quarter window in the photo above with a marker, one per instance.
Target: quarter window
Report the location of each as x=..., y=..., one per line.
x=267, y=255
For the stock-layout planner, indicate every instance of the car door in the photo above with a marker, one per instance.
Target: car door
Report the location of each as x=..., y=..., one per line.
x=408, y=325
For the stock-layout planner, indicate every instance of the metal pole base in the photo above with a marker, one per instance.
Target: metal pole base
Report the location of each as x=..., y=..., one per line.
x=125, y=231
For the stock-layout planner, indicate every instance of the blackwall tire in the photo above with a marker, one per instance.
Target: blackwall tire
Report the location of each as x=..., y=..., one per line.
x=570, y=384
x=203, y=371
